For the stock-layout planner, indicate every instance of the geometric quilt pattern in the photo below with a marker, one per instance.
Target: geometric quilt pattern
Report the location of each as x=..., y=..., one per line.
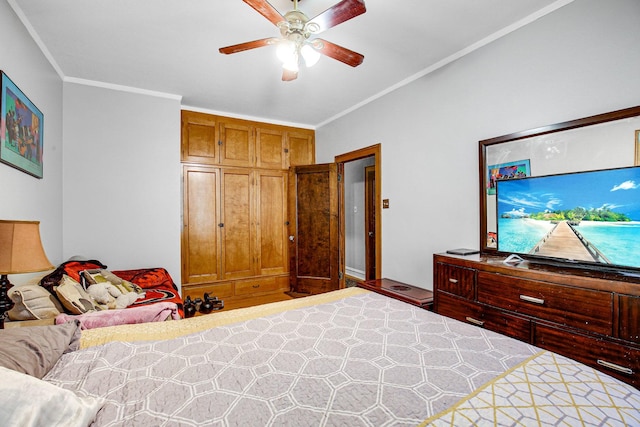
x=362, y=360
x=549, y=390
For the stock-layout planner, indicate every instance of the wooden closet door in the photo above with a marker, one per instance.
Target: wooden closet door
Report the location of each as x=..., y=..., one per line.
x=238, y=235
x=300, y=148
x=201, y=234
x=200, y=135
x=237, y=144
x=316, y=256
x=270, y=148
x=271, y=202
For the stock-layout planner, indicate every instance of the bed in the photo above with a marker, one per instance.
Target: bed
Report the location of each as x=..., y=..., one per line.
x=349, y=357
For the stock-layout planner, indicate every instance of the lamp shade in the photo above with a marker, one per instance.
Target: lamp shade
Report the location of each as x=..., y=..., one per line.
x=21, y=249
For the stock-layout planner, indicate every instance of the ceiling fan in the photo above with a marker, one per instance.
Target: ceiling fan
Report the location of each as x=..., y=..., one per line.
x=297, y=43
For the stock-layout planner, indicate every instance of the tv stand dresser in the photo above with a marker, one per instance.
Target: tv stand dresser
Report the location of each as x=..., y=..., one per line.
x=590, y=316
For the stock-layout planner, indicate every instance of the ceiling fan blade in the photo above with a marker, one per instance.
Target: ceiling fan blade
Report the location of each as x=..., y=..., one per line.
x=265, y=9
x=288, y=75
x=338, y=13
x=247, y=45
x=340, y=53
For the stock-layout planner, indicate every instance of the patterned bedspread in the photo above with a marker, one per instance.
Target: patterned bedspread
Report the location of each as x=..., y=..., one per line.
x=346, y=358
x=548, y=390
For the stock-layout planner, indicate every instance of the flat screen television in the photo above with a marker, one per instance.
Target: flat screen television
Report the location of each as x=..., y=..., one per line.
x=589, y=219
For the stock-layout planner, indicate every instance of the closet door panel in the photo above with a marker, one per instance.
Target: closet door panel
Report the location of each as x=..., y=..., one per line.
x=201, y=234
x=237, y=144
x=300, y=148
x=199, y=138
x=271, y=201
x=270, y=149
x=237, y=228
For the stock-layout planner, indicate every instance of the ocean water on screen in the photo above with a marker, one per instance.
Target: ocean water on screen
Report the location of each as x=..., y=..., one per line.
x=619, y=241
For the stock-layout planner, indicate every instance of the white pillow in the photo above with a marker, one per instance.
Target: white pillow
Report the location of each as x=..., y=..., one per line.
x=26, y=401
x=33, y=302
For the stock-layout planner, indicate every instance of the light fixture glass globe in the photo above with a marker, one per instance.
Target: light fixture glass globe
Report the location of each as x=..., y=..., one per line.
x=291, y=65
x=286, y=51
x=310, y=55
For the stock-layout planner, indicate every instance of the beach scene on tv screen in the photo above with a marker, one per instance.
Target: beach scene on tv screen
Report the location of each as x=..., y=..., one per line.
x=587, y=216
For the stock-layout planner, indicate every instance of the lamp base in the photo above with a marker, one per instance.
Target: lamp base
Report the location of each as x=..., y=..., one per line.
x=5, y=302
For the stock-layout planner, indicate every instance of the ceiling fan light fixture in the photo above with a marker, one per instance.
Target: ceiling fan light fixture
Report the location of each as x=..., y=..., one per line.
x=296, y=29
x=292, y=65
x=286, y=51
x=310, y=55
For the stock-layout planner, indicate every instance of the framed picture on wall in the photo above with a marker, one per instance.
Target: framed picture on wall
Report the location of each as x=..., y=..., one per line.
x=21, y=126
x=511, y=170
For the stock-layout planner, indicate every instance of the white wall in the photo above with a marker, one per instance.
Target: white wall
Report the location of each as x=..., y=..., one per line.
x=122, y=197
x=23, y=196
x=122, y=161
x=578, y=61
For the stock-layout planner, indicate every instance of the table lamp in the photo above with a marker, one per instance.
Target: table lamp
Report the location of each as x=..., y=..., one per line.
x=20, y=252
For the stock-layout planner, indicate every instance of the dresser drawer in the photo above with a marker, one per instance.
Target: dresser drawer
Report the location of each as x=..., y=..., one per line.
x=617, y=360
x=629, y=318
x=485, y=317
x=258, y=285
x=221, y=290
x=586, y=309
x=456, y=280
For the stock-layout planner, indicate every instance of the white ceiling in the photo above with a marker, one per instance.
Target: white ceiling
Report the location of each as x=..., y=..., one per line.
x=171, y=46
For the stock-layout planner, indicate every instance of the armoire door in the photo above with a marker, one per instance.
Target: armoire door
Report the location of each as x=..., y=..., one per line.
x=316, y=259
x=201, y=232
x=237, y=229
x=200, y=136
x=270, y=152
x=271, y=231
x=300, y=148
x=237, y=144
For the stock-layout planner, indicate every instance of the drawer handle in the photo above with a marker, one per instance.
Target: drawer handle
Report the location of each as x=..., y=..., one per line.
x=532, y=299
x=475, y=321
x=453, y=280
x=615, y=367
x=255, y=286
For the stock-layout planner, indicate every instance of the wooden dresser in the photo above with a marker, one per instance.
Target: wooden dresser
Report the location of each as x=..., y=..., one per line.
x=589, y=316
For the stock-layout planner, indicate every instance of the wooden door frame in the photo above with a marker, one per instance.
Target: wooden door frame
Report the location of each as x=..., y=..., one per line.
x=376, y=152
